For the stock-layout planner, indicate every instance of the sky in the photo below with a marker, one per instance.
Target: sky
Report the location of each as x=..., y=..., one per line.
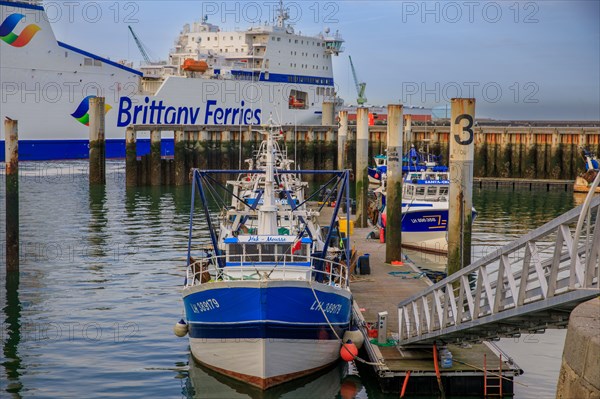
x=532, y=60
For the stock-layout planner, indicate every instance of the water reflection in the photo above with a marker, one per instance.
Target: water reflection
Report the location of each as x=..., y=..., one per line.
x=11, y=331
x=98, y=221
x=335, y=382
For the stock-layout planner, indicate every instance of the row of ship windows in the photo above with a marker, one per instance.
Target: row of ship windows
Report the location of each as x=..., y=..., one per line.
x=301, y=42
x=325, y=91
x=90, y=61
x=273, y=38
x=303, y=54
x=305, y=66
x=305, y=79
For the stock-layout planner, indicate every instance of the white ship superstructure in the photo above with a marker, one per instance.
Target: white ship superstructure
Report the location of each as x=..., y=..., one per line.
x=211, y=77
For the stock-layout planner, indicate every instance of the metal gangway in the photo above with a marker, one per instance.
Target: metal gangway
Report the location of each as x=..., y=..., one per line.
x=526, y=286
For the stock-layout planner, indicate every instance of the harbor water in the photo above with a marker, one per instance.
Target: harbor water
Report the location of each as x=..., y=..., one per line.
x=99, y=292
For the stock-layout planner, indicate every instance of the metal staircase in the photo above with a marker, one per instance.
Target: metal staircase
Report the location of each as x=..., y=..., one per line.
x=527, y=286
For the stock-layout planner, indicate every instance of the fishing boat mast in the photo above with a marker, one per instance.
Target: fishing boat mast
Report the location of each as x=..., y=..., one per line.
x=267, y=215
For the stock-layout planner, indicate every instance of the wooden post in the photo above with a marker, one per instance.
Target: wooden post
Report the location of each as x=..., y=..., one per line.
x=97, y=151
x=408, y=130
x=131, y=178
x=180, y=150
x=462, y=149
x=362, y=163
x=11, y=152
x=327, y=114
x=393, y=228
x=342, y=138
x=155, y=170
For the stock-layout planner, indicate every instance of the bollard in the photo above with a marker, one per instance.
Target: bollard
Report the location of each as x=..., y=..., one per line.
x=131, y=178
x=342, y=138
x=327, y=114
x=393, y=243
x=97, y=151
x=180, y=155
x=11, y=152
x=155, y=170
x=462, y=149
x=362, y=163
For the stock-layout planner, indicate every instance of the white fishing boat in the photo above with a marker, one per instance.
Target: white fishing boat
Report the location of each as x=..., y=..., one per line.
x=271, y=301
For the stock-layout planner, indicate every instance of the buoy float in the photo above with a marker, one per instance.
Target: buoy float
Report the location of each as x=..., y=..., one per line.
x=348, y=351
x=354, y=335
x=181, y=328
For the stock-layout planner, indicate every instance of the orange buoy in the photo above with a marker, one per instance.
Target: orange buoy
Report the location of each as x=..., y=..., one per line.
x=348, y=351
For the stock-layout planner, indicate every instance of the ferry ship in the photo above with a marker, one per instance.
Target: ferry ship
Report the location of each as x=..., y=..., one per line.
x=211, y=77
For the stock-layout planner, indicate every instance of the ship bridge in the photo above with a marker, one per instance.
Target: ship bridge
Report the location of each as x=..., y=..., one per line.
x=333, y=44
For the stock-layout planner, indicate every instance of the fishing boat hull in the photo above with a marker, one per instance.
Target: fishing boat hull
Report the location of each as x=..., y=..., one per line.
x=266, y=332
x=424, y=227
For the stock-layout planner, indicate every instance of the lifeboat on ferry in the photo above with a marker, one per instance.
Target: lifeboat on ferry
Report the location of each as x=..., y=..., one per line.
x=296, y=102
x=192, y=65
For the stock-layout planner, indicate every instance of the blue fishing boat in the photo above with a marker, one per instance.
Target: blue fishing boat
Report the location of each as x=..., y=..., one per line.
x=270, y=300
x=412, y=161
x=424, y=210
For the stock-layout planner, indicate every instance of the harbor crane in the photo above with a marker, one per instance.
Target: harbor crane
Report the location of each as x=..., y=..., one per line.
x=140, y=46
x=360, y=87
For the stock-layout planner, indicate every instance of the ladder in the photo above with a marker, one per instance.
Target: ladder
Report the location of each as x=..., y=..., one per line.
x=493, y=378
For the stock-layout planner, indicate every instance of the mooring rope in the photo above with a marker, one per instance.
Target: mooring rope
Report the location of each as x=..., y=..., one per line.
x=337, y=336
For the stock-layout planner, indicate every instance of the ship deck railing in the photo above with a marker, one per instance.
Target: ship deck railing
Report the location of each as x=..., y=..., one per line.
x=283, y=267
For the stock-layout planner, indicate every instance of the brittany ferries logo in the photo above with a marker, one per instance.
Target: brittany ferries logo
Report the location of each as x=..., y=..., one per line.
x=158, y=113
x=9, y=24
x=82, y=111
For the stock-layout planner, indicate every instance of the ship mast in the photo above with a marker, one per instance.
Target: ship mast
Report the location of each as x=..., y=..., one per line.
x=267, y=213
x=283, y=15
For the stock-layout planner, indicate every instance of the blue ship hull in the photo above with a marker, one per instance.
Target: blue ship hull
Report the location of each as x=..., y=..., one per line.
x=284, y=310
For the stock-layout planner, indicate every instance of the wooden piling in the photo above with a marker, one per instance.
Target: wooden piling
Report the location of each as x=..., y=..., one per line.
x=155, y=172
x=393, y=230
x=131, y=174
x=362, y=163
x=97, y=146
x=408, y=130
x=462, y=149
x=342, y=139
x=11, y=152
x=327, y=114
x=180, y=156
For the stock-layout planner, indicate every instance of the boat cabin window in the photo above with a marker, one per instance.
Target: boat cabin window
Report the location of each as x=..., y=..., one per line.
x=410, y=191
x=430, y=176
x=431, y=191
x=266, y=252
x=444, y=191
x=420, y=191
